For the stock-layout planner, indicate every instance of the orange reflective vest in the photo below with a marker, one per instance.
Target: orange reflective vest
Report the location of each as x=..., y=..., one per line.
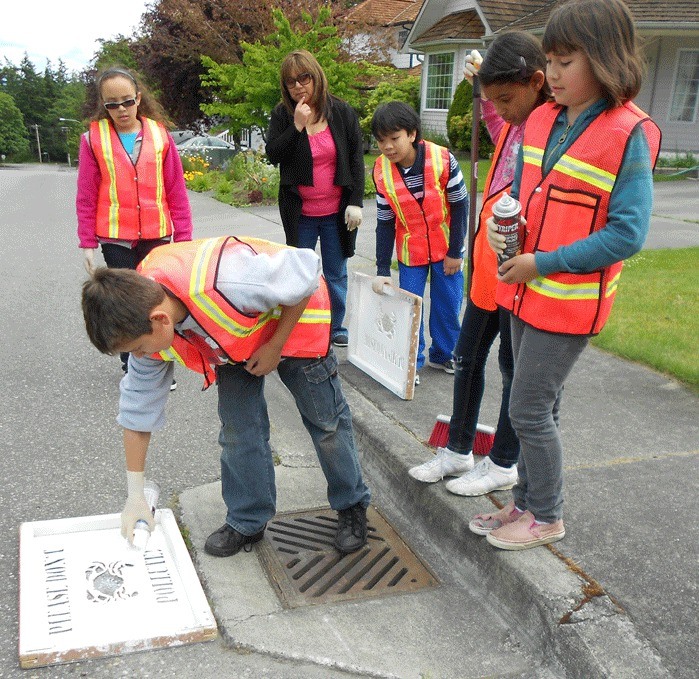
x=422, y=230
x=189, y=271
x=131, y=203
x=567, y=205
x=484, y=261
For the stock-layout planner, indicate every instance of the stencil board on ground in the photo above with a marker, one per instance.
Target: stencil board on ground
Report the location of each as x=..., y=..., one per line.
x=85, y=593
x=384, y=333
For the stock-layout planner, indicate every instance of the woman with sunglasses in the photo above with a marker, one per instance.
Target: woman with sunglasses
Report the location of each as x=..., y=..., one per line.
x=315, y=139
x=131, y=192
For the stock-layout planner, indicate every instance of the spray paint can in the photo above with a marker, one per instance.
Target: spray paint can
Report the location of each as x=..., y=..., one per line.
x=506, y=212
x=141, y=532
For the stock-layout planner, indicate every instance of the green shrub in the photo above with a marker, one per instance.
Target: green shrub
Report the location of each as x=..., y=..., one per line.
x=460, y=121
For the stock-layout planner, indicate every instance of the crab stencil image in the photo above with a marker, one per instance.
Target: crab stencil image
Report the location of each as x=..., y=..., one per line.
x=386, y=322
x=106, y=582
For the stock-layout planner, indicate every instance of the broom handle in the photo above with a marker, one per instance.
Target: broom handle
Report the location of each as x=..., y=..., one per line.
x=473, y=190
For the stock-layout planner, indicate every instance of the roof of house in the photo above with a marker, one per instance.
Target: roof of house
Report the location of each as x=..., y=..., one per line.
x=531, y=15
x=384, y=12
x=460, y=26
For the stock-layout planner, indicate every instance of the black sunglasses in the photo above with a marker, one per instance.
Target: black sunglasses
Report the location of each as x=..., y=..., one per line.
x=114, y=105
x=301, y=79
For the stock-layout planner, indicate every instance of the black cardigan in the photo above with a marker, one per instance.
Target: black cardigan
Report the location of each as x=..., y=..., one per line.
x=291, y=150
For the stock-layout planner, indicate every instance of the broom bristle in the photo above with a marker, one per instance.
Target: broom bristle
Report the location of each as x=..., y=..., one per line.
x=485, y=437
x=483, y=442
x=440, y=432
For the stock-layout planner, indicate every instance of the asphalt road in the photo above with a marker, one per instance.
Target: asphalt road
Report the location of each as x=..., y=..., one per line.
x=60, y=448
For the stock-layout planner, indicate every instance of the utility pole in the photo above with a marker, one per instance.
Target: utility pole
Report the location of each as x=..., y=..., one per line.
x=38, y=143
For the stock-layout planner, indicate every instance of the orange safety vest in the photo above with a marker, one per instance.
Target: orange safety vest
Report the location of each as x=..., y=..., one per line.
x=567, y=205
x=189, y=271
x=422, y=230
x=131, y=203
x=484, y=261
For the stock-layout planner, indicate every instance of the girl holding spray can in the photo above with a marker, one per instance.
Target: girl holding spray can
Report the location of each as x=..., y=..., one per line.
x=584, y=179
x=513, y=84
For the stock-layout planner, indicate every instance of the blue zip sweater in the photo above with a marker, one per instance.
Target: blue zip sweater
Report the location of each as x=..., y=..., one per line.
x=630, y=202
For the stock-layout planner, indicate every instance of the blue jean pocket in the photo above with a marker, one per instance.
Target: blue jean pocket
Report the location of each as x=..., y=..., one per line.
x=324, y=388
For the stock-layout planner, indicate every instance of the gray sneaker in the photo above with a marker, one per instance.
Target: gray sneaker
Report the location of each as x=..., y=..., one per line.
x=447, y=366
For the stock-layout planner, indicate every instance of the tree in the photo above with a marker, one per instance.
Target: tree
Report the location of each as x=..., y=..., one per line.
x=460, y=122
x=246, y=93
x=398, y=87
x=13, y=139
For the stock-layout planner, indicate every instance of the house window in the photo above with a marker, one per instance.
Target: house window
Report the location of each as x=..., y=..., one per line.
x=685, y=95
x=440, y=74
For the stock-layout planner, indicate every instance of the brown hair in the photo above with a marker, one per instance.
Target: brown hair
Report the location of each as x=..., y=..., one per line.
x=513, y=58
x=116, y=307
x=302, y=61
x=603, y=30
x=149, y=106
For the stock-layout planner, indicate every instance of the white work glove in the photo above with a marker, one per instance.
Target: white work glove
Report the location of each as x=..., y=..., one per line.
x=136, y=507
x=473, y=65
x=88, y=260
x=378, y=283
x=353, y=217
x=495, y=240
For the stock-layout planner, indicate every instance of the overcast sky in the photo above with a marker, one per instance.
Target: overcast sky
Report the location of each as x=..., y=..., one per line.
x=63, y=29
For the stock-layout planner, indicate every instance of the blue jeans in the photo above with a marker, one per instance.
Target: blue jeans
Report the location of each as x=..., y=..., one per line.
x=334, y=263
x=446, y=296
x=543, y=361
x=478, y=332
x=247, y=469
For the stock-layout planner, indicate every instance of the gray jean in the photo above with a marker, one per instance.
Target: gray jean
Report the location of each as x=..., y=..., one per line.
x=543, y=361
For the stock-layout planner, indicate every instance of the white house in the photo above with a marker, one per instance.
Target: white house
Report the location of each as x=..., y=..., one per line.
x=445, y=31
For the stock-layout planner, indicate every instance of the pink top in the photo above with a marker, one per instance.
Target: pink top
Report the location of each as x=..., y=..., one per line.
x=88, y=187
x=505, y=169
x=323, y=198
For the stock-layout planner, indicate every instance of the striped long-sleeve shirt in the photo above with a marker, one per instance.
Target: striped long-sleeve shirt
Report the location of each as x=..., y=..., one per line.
x=414, y=181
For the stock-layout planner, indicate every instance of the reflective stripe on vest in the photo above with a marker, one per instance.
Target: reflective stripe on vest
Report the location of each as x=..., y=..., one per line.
x=422, y=230
x=188, y=270
x=568, y=204
x=131, y=203
x=484, y=261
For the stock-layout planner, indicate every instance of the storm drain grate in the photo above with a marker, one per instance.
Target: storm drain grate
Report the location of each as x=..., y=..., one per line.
x=305, y=568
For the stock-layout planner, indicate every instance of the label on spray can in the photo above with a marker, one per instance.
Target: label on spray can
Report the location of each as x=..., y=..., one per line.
x=506, y=213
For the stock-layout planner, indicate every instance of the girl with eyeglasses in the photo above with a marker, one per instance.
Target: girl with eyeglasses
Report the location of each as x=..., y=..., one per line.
x=315, y=139
x=131, y=192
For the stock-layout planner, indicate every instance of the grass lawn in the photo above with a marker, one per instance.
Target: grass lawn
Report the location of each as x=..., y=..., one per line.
x=655, y=318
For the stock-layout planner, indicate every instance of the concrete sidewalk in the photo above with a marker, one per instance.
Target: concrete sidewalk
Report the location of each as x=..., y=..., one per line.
x=616, y=598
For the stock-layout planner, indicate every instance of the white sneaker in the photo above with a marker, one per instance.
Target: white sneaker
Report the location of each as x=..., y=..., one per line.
x=445, y=463
x=485, y=477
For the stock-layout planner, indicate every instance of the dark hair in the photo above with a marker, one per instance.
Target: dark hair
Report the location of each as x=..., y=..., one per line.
x=514, y=57
x=603, y=30
x=148, y=106
x=116, y=307
x=393, y=117
x=302, y=61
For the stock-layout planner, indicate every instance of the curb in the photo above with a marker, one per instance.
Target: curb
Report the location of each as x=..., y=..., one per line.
x=570, y=620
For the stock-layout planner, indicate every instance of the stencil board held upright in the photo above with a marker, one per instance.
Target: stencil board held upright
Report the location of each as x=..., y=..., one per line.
x=84, y=593
x=384, y=333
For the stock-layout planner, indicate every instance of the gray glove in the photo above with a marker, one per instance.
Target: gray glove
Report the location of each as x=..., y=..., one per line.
x=88, y=260
x=378, y=283
x=136, y=507
x=353, y=217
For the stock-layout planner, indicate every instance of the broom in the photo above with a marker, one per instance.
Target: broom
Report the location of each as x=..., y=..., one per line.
x=483, y=442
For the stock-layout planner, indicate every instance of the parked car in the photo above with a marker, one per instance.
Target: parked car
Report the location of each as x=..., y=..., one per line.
x=217, y=152
x=181, y=135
